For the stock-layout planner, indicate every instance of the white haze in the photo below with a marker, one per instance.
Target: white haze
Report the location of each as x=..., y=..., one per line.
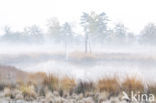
x=121, y=60
x=132, y=60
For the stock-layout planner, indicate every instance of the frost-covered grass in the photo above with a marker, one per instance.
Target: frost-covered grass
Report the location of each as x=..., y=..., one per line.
x=41, y=86
x=39, y=83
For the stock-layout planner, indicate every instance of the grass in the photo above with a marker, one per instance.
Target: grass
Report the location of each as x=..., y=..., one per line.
x=28, y=91
x=82, y=55
x=52, y=82
x=84, y=87
x=67, y=83
x=2, y=86
x=132, y=84
x=7, y=91
x=110, y=85
x=152, y=88
x=38, y=83
x=37, y=78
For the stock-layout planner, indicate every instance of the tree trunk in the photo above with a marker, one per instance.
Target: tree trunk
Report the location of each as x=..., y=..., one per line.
x=66, y=51
x=86, y=42
x=89, y=44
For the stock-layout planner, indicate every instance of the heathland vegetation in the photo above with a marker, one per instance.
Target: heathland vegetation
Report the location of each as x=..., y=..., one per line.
x=41, y=87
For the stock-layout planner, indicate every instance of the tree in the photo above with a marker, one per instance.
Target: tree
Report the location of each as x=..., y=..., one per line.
x=66, y=36
x=7, y=29
x=131, y=38
x=33, y=34
x=54, y=30
x=10, y=36
x=60, y=33
x=148, y=34
x=94, y=25
x=120, y=32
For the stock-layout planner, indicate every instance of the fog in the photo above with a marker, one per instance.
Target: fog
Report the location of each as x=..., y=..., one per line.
x=101, y=61
x=96, y=52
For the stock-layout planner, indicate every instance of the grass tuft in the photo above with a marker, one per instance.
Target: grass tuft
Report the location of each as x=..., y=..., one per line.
x=52, y=82
x=110, y=85
x=132, y=84
x=67, y=83
x=83, y=87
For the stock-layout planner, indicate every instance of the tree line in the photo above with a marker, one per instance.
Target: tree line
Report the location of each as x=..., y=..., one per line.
x=95, y=31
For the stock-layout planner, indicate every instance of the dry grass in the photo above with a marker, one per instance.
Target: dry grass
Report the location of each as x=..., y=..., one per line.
x=152, y=88
x=82, y=55
x=83, y=87
x=7, y=91
x=67, y=83
x=37, y=78
x=132, y=84
x=52, y=82
x=40, y=81
x=2, y=86
x=28, y=91
x=110, y=85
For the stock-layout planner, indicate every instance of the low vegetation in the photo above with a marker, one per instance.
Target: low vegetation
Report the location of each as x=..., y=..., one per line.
x=110, y=85
x=42, y=84
x=132, y=84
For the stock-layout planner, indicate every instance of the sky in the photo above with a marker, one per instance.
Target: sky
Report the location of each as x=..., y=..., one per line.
x=17, y=14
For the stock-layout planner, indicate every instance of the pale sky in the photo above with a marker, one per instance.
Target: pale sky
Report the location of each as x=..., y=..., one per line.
x=135, y=14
